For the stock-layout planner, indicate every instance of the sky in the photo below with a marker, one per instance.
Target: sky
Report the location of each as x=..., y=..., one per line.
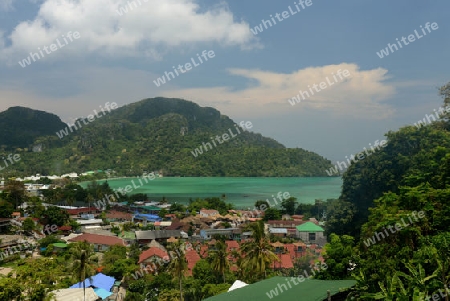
x=329, y=51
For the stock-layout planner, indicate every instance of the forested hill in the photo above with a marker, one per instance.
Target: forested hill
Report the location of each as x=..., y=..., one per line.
x=393, y=217
x=19, y=126
x=160, y=134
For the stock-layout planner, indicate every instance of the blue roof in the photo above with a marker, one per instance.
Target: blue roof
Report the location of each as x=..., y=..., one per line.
x=98, y=281
x=102, y=293
x=149, y=217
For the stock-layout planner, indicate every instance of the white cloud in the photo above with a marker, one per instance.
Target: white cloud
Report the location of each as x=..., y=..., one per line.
x=362, y=95
x=152, y=24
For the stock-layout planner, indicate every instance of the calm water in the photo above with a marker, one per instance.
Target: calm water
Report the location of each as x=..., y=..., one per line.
x=242, y=192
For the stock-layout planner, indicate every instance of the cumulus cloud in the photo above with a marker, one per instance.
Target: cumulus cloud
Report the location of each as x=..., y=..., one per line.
x=363, y=94
x=105, y=28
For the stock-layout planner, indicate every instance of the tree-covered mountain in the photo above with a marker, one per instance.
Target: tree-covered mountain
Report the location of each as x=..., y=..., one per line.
x=20, y=126
x=161, y=134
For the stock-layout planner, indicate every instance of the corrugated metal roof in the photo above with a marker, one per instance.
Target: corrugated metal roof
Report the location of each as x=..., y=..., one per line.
x=307, y=290
x=278, y=230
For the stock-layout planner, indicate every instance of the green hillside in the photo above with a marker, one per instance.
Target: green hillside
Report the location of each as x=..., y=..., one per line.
x=19, y=126
x=160, y=134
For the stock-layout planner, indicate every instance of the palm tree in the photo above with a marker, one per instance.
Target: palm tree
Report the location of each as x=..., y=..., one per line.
x=219, y=259
x=82, y=254
x=257, y=253
x=178, y=264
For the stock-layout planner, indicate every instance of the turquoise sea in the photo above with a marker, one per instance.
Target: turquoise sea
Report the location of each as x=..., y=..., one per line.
x=242, y=192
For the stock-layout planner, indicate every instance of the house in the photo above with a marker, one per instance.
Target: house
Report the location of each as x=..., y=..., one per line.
x=192, y=258
x=208, y=212
x=144, y=237
x=284, y=262
x=100, y=242
x=232, y=245
x=66, y=230
x=230, y=233
x=284, y=224
x=76, y=213
x=119, y=216
x=310, y=233
x=153, y=255
x=85, y=223
x=289, y=225
x=280, y=232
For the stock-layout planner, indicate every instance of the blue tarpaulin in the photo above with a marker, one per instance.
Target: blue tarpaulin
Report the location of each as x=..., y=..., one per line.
x=149, y=217
x=98, y=281
x=102, y=293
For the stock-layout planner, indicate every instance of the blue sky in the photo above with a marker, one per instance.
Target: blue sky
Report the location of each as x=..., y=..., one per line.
x=118, y=56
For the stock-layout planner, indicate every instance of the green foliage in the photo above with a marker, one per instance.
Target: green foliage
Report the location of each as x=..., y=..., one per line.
x=48, y=240
x=203, y=272
x=272, y=214
x=6, y=209
x=403, y=248
x=288, y=205
x=339, y=257
x=55, y=216
x=260, y=203
x=210, y=203
x=28, y=225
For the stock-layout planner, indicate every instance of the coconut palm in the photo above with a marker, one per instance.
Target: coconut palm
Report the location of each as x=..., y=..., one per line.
x=178, y=264
x=257, y=253
x=219, y=259
x=82, y=255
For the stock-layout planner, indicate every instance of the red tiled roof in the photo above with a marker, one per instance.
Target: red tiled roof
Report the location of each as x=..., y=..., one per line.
x=204, y=251
x=285, y=223
x=286, y=262
x=119, y=215
x=153, y=251
x=176, y=225
x=209, y=211
x=65, y=228
x=192, y=258
x=232, y=244
x=99, y=239
x=81, y=210
x=21, y=219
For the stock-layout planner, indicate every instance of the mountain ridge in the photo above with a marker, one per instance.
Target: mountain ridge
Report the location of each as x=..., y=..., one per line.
x=160, y=134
